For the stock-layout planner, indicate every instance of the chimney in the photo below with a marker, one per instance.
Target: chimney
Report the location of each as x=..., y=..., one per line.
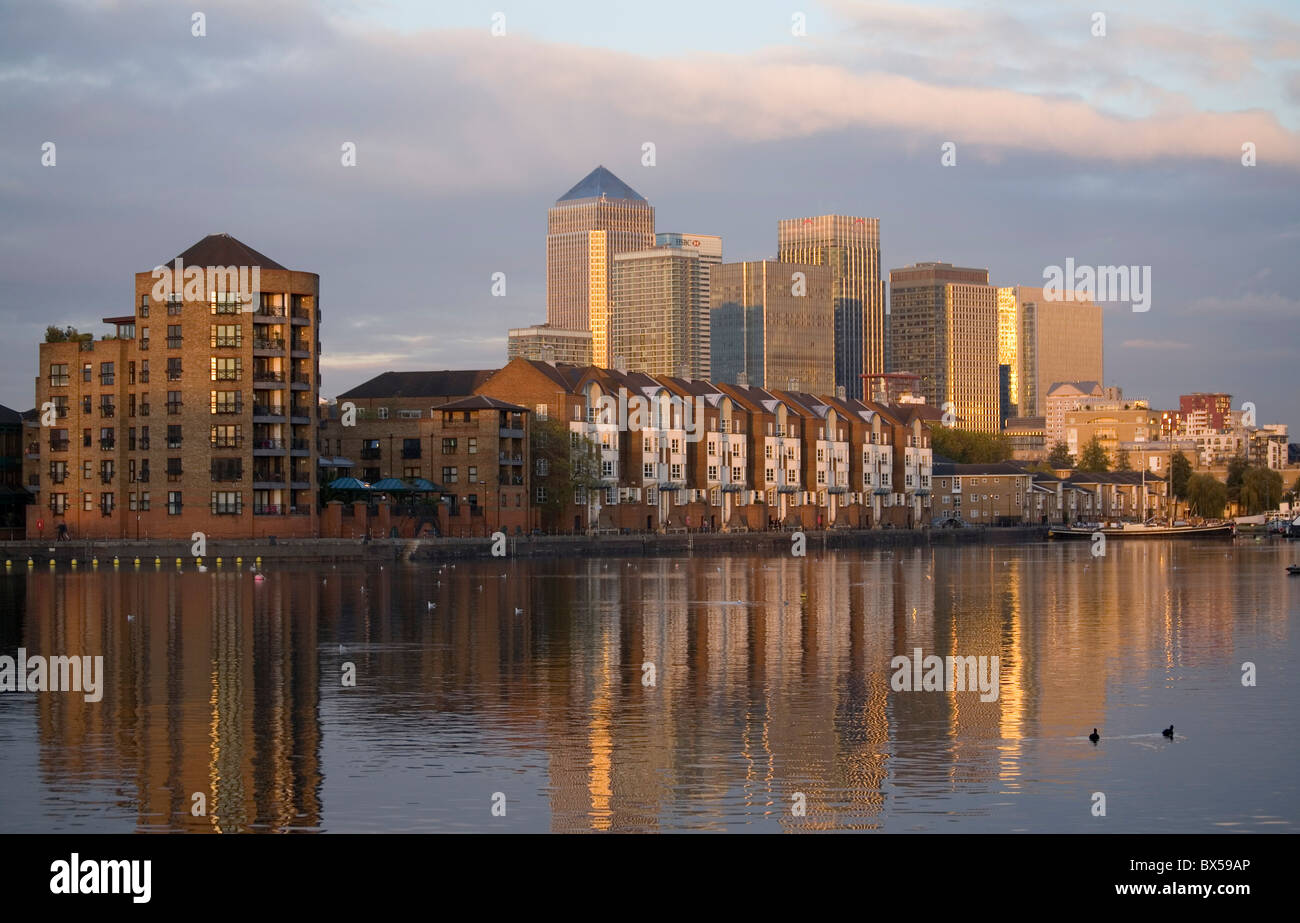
x=841, y=392
x=742, y=379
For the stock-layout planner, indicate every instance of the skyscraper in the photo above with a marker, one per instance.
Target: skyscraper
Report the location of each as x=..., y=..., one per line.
x=944, y=327
x=773, y=324
x=850, y=248
x=709, y=247
x=1046, y=341
x=589, y=225
x=655, y=314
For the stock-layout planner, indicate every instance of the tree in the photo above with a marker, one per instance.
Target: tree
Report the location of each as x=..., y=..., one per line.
x=56, y=334
x=1093, y=456
x=1261, y=491
x=1206, y=496
x=1180, y=469
x=1236, y=473
x=565, y=467
x=1060, y=456
x=1292, y=496
x=966, y=447
x=1041, y=468
x=1122, y=462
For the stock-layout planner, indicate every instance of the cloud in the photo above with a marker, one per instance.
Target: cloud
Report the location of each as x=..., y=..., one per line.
x=1154, y=344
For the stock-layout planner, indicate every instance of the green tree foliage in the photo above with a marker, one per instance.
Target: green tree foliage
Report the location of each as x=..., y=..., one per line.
x=564, y=465
x=56, y=334
x=1093, y=457
x=1206, y=495
x=1261, y=491
x=1236, y=473
x=967, y=448
x=1180, y=470
x=1122, y=462
x=1060, y=456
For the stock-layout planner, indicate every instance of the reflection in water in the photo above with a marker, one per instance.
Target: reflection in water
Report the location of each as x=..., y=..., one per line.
x=660, y=693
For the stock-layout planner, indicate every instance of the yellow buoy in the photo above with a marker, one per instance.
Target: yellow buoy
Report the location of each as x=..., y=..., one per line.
x=137, y=562
x=74, y=562
x=258, y=560
x=94, y=562
x=218, y=562
x=239, y=561
x=8, y=563
x=178, y=562
x=198, y=559
x=30, y=562
x=115, y=561
x=51, y=562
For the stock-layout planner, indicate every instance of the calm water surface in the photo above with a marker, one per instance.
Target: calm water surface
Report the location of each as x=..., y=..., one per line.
x=772, y=677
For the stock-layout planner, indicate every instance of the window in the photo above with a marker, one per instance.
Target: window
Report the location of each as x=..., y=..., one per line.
x=174, y=369
x=85, y=438
x=173, y=402
x=540, y=411
x=449, y=474
x=144, y=337
x=410, y=414
x=144, y=439
x=737, y=475
x=144, y=371
x=542, y=466
x=60, y=402
x=226, y=335
x=648, y=472
x=58, y=374
x=173, y=469
x=173, y=334
x=227, y=402
x=540, y=495
x=382, y=413
x=107, y=405
x=87, y=502
x=173, y=437
x=770, y=475
x=473, y=474
x=225, y=303
x=173, y=503
x=713, y=472
x=227, y=503
x=226, y=436
x=411, y=448
x=144, y=500
x=144, y=473
x=106, y=503
x=58, y=472
x=106, y=373
x=174, y=303
x=144, y=305
x=106, y=472
x=87, y=470
x=130, y=373
x=472, y=445
x=86, y=400
x=106, y=440
x=676, y=472
x=58, y=504
x=85, y=372
x=227, y=369
x=449, y=447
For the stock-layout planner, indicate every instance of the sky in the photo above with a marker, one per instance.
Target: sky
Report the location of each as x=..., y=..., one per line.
x=1122, y=148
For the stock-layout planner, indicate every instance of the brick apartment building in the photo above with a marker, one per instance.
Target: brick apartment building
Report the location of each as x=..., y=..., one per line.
x=196, y=414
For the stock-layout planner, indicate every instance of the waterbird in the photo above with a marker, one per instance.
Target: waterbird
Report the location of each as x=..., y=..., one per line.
x=432, y=606
x=1168, y=732
x=1094, y=736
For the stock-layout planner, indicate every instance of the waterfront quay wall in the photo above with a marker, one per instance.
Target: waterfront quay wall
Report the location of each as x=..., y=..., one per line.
x=287, y=551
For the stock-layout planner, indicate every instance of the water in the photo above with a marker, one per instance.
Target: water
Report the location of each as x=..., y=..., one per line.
x=771, y=680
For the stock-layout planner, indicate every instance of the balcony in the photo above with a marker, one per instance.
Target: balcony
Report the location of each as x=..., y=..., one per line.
x=300, y=445
x=267, y=311
x=511, y=432
x=268, y=410
x=274, y=478
x=301, y=346
x=267, y=375
x=268, y=445
x=301, y=316
x=507, y=459
x=275, y=344
x=300, y=378
x=33, y=449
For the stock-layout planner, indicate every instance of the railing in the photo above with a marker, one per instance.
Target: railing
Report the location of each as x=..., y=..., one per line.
x=56, y=445
x=268, y=376
x=268, y=410
x=300, y=378
x=302, y=314
x=268, y=443
x=107, y=410
x=106, y=445
x=226, y=476
x=507, y=457
x=174, y=342
x=300, y=445
x=225, y=442
x=301, y=345
x=221, y=342
x=237, y=407
x=269, y=477
x=268, y=343
x=269, y=311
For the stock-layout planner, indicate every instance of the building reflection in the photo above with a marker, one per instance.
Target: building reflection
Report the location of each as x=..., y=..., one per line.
x=663, y=692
